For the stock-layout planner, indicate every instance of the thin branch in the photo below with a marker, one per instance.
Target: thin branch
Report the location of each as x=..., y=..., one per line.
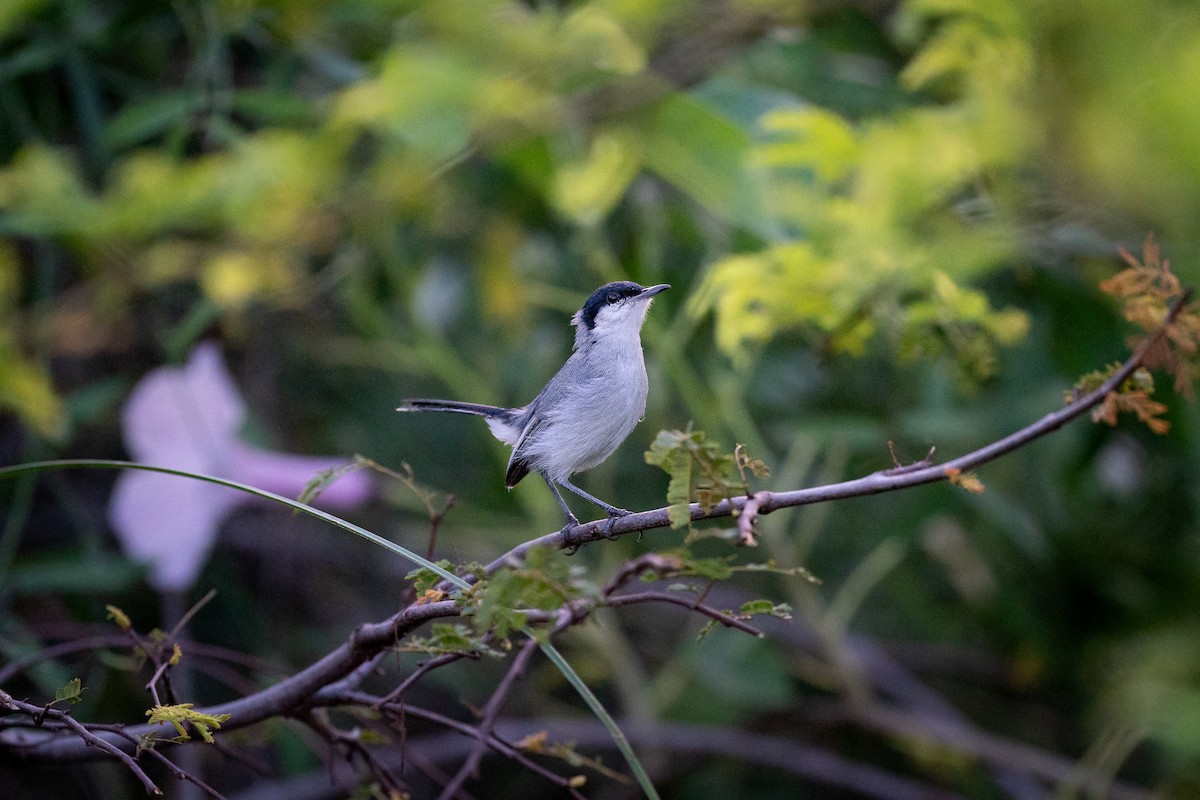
x=422, y=669
x=152, y=685
x=647, y=562
x=179, y=773
x=278, y=700
x=87, y=737
x=491, y=711
x=191, y=612
x=19, y=665
x=393, y=708
x=728, y=620
x=351, y=743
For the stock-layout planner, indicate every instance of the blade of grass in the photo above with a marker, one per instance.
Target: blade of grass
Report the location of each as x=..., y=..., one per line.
x=614, y=730
x=87, y=463
x=18, y=513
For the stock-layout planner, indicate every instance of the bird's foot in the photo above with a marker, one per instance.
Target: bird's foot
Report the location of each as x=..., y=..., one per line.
x=572, y=524
x=613, y=515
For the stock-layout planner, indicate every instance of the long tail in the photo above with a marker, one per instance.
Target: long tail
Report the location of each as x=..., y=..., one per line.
x=477, y=409
x=505, y=423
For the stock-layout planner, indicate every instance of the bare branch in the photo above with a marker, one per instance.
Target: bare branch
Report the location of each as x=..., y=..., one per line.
x=179, y=773
x=422, y=669
x=728, y=620
x=393, y=708
x=85, y=736
x=487, y=722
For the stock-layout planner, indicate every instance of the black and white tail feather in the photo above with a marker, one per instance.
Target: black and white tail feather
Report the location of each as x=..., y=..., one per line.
x=587, y=409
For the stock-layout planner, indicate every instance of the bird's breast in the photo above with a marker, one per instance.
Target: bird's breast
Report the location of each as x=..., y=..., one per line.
x=602, y=408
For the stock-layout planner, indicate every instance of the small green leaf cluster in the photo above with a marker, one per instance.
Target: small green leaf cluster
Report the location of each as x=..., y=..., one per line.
x=424, y=579
x=700, y=469
x=501, y=602
x=720, y=568
x=71, y=692
x=178, y=715
x=446, y=637
x=749, y=610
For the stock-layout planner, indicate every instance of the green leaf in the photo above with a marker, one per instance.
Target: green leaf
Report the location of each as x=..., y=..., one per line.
x=177, y=715
x=445, y=637
x=587, y=190
x=669, y=452
x=71, y=693
x=715, y=569
x=502, y=600
x=326, y=477
x=771, y=566
x=764, y=607
x=424, y=579
x=698, y=469
x=118, y=616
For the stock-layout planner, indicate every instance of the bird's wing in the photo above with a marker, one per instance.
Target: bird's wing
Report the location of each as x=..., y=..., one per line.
x=518, y=465
x=551, y=395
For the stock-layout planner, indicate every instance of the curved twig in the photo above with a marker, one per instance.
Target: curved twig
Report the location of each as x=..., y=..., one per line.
x=728, y=620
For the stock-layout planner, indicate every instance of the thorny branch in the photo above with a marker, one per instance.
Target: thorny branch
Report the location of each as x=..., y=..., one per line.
x=54, y=735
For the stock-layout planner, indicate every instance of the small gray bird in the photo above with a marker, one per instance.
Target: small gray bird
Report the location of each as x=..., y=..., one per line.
x=587, y=409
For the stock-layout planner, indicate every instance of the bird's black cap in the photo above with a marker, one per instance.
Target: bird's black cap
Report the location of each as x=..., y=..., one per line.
x=608, y=294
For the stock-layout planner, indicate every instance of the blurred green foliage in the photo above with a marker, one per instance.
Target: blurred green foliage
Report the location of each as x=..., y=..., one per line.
x=883, y=221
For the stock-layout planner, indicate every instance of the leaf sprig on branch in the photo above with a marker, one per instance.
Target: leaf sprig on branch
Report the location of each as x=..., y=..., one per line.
x=1147, y=289
x=700, y=469
x=181, y=713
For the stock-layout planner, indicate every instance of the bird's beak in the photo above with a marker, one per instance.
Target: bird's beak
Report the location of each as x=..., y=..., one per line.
x=650, y=291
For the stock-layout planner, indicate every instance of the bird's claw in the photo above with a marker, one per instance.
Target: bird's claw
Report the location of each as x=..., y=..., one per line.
x=572, y=524
x=613, y=516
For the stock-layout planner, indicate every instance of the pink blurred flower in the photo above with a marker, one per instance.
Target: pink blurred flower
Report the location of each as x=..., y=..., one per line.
x=188, y=418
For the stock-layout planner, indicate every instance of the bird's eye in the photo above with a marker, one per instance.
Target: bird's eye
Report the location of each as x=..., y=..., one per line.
x=613, y=297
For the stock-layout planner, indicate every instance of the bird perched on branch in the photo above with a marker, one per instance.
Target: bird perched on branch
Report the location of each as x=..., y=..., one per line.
x=587, y=409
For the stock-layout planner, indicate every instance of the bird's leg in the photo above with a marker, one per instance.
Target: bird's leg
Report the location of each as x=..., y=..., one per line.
x=613, y=511
x=572, y=520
